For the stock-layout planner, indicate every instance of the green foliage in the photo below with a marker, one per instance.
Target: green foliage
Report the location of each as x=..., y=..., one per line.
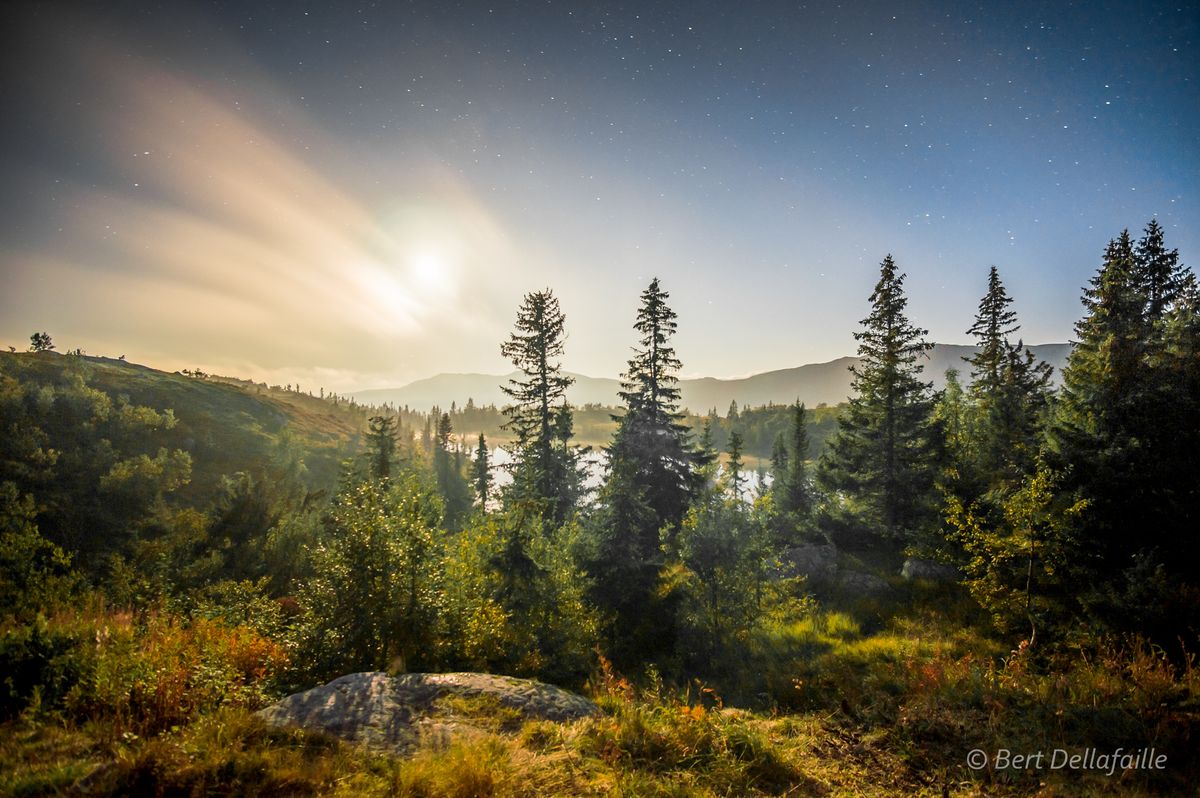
x=1023, y=568
x=35, y=574
x=723, y=551
x=371, y=601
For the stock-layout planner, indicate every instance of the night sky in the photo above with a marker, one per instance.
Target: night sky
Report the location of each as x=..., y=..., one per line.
x=358, y=194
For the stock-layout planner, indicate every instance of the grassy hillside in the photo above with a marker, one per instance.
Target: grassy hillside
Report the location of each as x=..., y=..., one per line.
x=226, y=425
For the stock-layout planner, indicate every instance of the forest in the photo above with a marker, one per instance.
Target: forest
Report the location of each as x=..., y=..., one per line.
x=763, y=601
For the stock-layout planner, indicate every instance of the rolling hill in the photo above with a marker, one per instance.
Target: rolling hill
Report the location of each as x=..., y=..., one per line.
x=813, y=384
x=225, y=425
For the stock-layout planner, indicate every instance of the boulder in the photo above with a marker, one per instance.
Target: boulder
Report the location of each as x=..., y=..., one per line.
x=928, y=569
x=391, y=712
x=862, y=584
x=814, y=562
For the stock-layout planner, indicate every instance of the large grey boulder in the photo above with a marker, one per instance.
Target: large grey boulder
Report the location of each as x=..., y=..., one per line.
x=860, y=583
x=814, y=562
x=393, y=712
x=914, y=568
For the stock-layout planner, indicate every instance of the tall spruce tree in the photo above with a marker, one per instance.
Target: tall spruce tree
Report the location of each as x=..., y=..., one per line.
x=1009, y=389
x=650, y=434
x=545, y=469
x=651, y=480
x=880, y=464
x=1159, y=273
x=994, y=322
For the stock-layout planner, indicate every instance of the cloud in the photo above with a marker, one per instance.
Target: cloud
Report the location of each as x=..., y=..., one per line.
x=222, y=235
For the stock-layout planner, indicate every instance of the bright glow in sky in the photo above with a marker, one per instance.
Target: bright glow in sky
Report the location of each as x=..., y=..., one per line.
x=357, y=197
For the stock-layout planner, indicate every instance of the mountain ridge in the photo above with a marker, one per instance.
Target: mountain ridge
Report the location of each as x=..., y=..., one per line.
x=812, y=383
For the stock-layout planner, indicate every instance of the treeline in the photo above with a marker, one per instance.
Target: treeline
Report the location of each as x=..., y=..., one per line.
x=1064, y=512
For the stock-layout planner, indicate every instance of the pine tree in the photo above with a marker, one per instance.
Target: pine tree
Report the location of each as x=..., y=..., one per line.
x=795, y=495
x=447, y=468
x=994, y=322
x=1125, y=435
x=651, y=481
x=881, y=462
x=1159, y=273
x=381, y=441
x=650, y=434
x=735, y=467
x=1010, y=389
x=545, y=469
x=40, y=342
x=481, y=472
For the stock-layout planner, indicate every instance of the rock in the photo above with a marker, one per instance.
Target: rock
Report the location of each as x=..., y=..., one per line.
x=930, y=570
x=391, y=712
x=863, y=584
x=814, y=562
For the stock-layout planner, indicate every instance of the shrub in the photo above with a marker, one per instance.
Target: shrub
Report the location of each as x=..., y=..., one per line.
x=142, y=674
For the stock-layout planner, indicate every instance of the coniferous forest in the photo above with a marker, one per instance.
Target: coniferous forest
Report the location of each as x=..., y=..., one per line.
x=777, y=601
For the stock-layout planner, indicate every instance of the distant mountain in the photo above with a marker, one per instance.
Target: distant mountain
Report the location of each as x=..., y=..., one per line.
x=812, y=384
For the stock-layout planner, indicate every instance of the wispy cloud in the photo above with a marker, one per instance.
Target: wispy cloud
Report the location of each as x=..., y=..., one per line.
x=226, y=237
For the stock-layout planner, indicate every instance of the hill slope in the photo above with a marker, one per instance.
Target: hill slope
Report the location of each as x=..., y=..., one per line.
x=812, y=384
x=226, y=425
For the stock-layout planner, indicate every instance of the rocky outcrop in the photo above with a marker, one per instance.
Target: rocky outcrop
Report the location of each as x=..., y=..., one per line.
x=817, y=563
x=859, y=583
x=929, y=570
x=394, y=712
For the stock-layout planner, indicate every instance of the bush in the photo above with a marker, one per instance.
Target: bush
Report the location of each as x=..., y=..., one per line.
x=142, y=675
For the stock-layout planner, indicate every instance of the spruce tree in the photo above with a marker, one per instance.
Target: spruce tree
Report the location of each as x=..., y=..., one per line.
x=779, y=461
x=1159, y=273
x=881, y=462
x=381, y=442
x=545, y=470
x=650, y=483
x=1009, y=388
x=650, y=434
x=481, y=472
x=447, y=468
x=795, y=495
x=735, y=467
x=994, y=322
x=1125, y=436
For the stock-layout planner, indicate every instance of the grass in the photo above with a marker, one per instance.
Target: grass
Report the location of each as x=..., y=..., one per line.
x=894, y=714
